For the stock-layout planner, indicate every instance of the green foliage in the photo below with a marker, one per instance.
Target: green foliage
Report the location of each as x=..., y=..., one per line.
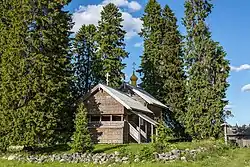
x=151, y=32
x=81, y=139
x=84, y=59
x=161, y=140
x=146, y=153
x=207, y=71
x=163, y=132
x=162, y=60
x=111, y=45
x=35, y=73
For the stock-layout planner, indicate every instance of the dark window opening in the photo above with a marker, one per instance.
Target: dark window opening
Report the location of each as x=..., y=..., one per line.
x=95, y=118
x=106, y=118
x=116, y=118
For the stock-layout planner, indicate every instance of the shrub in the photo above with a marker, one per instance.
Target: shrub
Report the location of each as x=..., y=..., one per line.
x=146, y=153
x=164, y=134
x=81, y=137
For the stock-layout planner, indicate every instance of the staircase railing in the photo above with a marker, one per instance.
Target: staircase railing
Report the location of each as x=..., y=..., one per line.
x=133, y=132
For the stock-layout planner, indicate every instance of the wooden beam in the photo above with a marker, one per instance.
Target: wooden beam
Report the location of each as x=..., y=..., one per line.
x=139, y=141
x=152, y=133
x=146, y=130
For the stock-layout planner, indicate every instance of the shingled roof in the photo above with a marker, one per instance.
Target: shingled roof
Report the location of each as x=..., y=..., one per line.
x=125, y=100
x=145, y=96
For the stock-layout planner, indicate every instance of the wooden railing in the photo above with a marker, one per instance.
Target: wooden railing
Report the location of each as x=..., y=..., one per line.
x=114, y=124
x=136, y=132
x=133, y=132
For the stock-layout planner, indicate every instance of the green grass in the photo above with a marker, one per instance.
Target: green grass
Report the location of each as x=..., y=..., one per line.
x=109, y=148
x=231, y=158
x=218, y=157
x=135, y=148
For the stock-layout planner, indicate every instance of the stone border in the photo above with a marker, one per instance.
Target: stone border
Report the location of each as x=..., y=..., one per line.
x=104, y=158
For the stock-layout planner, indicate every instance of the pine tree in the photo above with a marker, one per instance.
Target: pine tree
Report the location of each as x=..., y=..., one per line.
x=81, y=139
x=162, y=61
x=171, y=70
x=36, y=73
x=111, y=46
x=84, y=59
x=13, y=70
x=2, y=41
x=207, y=72
x=151, y=32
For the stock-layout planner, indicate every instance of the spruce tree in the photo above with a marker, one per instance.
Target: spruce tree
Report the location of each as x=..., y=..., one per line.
x=14, y=92
x=171, y=69
x=162, y=61
x=84, y=59
x=36, y=73
x=111, y=46
x=81, y=139
x=207, y=72
x=152, y=35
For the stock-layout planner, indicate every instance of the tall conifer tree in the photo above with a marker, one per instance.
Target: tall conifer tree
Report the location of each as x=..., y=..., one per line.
x=36, y=72
x=84, y=59
x=171, y=69
x=13, y=24
x=207, y=72
x=152, y=34
x=111, y=46
x=162, y=60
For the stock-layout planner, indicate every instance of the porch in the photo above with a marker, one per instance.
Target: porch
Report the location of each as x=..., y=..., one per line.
x=141, y=127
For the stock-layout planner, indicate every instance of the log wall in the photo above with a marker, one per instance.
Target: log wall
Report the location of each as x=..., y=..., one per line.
x=107, y=132
x=102, y=103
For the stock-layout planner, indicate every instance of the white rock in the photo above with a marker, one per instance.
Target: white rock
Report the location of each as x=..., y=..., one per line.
x=11, y=157
x=184, y=159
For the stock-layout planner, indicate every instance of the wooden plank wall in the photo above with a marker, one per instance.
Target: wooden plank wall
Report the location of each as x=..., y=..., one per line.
x=103, y=103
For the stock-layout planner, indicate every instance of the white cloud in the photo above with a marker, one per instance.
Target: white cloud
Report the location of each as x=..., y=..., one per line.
x=246, y=88
x=138, y=44
x=91, y=14
x=240, y=68
x=131, y=24
x=133, y=5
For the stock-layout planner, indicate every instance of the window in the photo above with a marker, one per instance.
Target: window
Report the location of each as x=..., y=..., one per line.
x=95, y=118
x=106, y=118
x=116, y=118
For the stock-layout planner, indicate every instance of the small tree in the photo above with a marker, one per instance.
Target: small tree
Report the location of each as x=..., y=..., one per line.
x=82, y=140
x=164, y=133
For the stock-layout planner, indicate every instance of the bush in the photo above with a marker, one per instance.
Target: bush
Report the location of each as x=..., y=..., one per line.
x=164, y=134
x=81, y=138
x=146, y=153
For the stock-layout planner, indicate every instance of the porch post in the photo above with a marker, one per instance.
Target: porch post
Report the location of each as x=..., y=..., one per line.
x=139, y=134
x=152, y=133
x=146, y=130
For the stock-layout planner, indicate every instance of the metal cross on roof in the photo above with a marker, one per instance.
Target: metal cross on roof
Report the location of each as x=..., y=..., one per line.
x=107, y=78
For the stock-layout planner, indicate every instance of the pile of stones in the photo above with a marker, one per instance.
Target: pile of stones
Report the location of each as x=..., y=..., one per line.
x=102, y=158
x=179, y=154
x=98, y=158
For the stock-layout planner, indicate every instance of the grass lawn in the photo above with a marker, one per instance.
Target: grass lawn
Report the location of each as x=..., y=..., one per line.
x=134, y=148
x=239, y=157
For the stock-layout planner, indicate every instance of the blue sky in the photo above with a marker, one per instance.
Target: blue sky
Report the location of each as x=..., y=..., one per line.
x=229, y=24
